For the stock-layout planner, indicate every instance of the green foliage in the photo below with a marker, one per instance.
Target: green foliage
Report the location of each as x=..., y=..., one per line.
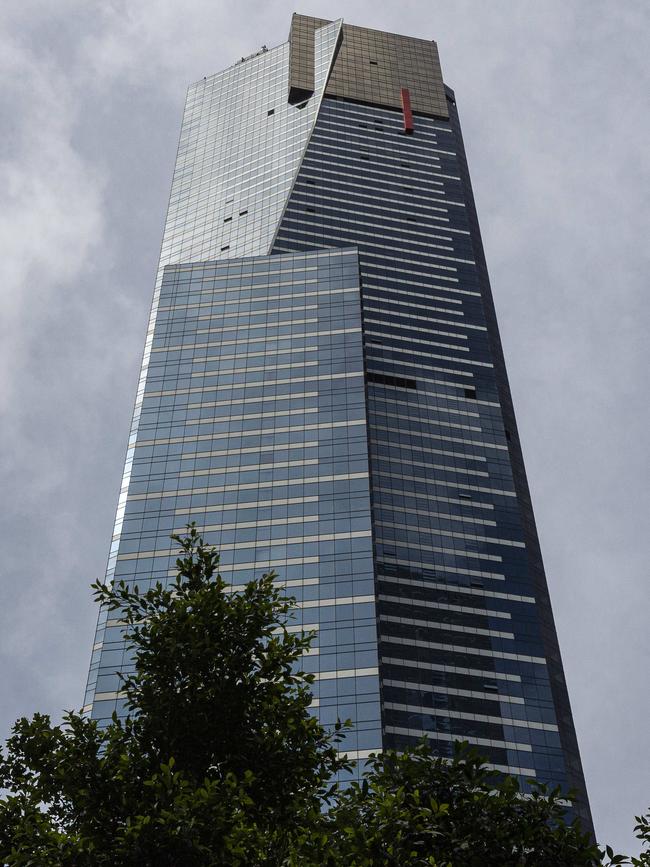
x=415, y=809
x=220, y=762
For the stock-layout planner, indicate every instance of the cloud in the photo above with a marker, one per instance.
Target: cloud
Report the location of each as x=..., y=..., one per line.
x=553, y=104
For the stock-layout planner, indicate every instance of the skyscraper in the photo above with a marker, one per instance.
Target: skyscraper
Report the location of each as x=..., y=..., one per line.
x=323, y=392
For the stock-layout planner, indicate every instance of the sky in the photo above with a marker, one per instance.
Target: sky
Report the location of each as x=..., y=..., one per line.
x=552, y=96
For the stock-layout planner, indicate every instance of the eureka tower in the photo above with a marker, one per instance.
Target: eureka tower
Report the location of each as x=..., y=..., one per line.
x=323, y=392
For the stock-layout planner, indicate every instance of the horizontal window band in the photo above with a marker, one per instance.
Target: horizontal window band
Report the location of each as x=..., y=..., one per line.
x=401, y=460
x=303, y=380
x=483, y=673
x=329, y=119
x=339, y=176
x=308, y=215
x=383, y=506
x=358, y=755
x=448, y=587
x=455, y=501
x=303, y=294
x=368, y=347
x=244, y=525
x=446, y=627
x=400, y=305
x=257, y=504
x=444, y=606
x=343, y=183
x=355, y=201
x=459, y=648
x=309, y=224
x=264, y=543
x=403, y=314
x=378, y=413
x=476, y=717
x=261, y=565
x=496, y=697
x=405, y=444
x=476, y=576
x=390, y=143
x=442, y=483
x=437, y=549
x=247, y=486
x=263, y=340
x=251, y=450
x=482, y=742
x=350, y=109
x=395, y=325
x=386, y=264
x=468, y=536
x=273, y=325
x=341, y=600
x=346, y=672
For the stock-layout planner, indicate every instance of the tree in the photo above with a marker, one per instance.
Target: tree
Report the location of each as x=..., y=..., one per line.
x=416, y=809
x=220, y=762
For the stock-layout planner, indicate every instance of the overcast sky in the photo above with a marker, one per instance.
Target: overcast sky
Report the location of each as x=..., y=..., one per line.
x=553, y=96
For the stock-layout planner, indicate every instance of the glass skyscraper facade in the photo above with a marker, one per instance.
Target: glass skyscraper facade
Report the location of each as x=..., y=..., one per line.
x=323, y=392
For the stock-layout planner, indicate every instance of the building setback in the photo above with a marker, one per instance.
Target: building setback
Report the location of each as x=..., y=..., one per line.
x=323, y=391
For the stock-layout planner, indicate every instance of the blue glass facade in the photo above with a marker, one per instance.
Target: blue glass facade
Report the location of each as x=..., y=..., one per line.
x=253, y=425
x=335, y=405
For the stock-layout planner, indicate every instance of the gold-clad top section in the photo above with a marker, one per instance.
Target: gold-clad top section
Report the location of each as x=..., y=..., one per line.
x=371, y=66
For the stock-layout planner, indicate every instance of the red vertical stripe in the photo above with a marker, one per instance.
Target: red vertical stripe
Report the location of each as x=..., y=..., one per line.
x=408, y=114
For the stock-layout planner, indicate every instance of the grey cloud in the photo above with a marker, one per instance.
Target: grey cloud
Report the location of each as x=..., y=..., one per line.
x=553, y=102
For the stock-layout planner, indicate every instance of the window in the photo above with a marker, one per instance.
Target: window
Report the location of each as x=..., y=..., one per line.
x=471, y=393
x=397, y=381
x=373, y=63
x=228, y=219
x=270, y=112
x=243, y=213
x=227, y=247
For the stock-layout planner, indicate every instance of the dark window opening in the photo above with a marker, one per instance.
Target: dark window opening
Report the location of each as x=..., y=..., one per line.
x=373, y=63
x=396, y=381
x=310, y=181
x=243, y=213
x=227, y=247
x=471, y=393
x=311, y=210
x=412, y=219
x=270, y=112
x=508, y=435
x=228, y=219
x=228, y=201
